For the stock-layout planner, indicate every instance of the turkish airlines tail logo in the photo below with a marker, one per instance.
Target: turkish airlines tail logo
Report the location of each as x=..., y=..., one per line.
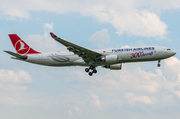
x=20, y=46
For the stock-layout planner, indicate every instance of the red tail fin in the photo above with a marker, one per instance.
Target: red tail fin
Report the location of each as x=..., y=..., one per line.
x=20, y=46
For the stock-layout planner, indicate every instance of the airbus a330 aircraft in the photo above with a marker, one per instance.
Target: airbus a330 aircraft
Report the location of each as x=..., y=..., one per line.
x=79, y=56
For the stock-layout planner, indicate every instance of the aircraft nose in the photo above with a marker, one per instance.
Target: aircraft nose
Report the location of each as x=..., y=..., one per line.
x=173, y=53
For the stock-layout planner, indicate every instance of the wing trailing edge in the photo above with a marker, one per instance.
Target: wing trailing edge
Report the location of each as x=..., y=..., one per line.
x=85, y=53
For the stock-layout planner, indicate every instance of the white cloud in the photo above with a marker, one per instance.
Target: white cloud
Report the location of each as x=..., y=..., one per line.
x=70, y=113
x=126, y=16
x=95, y=101
x=12, y=87
x=136, y=79
x=177, y=87
x=172, y=69
x=167, y=99
x=142, y=89
x=48, y=27
x=152, y=25
x=177, y=93
x=9, y=76
x=172, y=62
x=172, y=73
x=45, y=43
x=133, y=22
x=161, y=5
x=14, y=13
x=132, y=99
x=155, y=88
x=77, y=110
x=101, y=36
x=8, y=100
x=11, y=84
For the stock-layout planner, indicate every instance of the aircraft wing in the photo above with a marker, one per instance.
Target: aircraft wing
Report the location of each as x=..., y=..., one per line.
x=86, y=54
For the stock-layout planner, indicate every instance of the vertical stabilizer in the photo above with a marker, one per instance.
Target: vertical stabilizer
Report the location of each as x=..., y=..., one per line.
x=20, y=46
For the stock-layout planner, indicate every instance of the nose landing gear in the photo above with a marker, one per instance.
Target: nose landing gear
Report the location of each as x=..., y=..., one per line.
x=91, y=67
x=159, y=63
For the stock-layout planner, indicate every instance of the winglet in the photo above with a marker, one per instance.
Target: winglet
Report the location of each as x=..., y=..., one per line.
x=53, y=35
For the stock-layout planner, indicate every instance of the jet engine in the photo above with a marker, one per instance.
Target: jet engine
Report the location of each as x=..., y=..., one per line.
x=110, y=59
x=114, y=66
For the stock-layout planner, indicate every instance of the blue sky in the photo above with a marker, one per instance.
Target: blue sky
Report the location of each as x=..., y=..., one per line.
x=138, y=91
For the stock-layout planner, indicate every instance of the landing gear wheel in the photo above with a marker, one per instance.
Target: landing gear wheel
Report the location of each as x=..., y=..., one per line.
x=90, y=73
x=159, y=61
x=91, y=67
x=87, y=70
x=94, y=71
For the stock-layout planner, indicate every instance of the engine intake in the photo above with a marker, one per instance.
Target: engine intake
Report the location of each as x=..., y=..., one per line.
x=110, y=59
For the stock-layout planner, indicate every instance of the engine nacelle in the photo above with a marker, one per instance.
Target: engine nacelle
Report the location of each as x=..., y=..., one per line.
x=114, y=66
x=110, y=59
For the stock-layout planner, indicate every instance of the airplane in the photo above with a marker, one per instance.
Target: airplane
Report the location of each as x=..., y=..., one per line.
x=76, y=55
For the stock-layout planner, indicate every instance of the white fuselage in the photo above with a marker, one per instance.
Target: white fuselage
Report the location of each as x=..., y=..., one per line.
x=133, y=54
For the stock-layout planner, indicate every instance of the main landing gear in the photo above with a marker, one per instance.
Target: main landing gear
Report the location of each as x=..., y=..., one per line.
x=91, y=67
x=159, y=63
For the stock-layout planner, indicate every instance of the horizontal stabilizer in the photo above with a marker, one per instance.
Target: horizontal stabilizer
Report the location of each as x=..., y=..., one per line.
x=23, y=57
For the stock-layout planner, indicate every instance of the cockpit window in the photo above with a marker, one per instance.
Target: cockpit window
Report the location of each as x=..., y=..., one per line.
x=168, y=49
